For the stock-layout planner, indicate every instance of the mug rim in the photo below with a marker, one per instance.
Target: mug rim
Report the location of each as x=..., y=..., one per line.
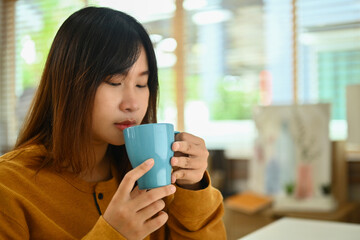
x=147, y=124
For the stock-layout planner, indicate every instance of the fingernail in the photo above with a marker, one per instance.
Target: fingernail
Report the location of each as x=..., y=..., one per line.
x=175, y=146
x=149, y=162
x=172, y=188
x=175, y=161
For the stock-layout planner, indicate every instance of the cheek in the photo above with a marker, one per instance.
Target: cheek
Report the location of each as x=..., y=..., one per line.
x=145, y=102
x=97, y=119
x=102, y=102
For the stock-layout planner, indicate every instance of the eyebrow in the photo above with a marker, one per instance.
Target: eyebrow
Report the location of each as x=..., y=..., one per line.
x=143, y=73
x=147, y=72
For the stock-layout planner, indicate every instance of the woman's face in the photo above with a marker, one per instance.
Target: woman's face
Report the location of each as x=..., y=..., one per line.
x=121, y=102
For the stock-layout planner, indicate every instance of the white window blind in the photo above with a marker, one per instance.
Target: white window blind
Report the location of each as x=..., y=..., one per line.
x=329, y=51
x=7, y=74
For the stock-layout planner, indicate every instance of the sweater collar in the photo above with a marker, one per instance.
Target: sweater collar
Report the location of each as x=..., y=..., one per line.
x=35, y=151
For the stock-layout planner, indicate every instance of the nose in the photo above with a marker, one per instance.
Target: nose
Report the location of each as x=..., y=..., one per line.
x=129, y=102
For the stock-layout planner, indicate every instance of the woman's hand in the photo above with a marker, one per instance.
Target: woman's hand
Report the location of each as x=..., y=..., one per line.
x=137, y=213
x=189, y=161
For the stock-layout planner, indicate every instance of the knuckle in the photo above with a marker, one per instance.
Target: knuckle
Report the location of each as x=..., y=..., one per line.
x=159, y=205
x=182, y=135
x=188, y=147
x=187, y=162
x=152, y=197
x=206, y=153
x=160, y=220
x=122, y=212
x=129, y=177
x=143, y=167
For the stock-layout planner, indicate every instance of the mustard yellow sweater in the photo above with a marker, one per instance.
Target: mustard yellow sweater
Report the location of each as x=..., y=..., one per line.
x=48, y=205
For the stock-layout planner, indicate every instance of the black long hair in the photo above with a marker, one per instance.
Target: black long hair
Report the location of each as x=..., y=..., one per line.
x=91, y=45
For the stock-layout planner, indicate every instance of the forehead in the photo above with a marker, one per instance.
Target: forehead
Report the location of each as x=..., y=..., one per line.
x=141, y=64
x=139, y=68
x=142, y=56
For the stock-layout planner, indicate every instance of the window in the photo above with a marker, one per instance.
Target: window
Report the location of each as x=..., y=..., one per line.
x=329, y=44
x=29, y=28
x=33, y=41
x=237, y=54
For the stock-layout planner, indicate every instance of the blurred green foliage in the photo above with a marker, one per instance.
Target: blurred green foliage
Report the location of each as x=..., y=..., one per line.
x=233, y=104
x=51, y=17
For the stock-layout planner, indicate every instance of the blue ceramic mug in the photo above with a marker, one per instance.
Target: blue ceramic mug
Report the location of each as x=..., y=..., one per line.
x=151, y=140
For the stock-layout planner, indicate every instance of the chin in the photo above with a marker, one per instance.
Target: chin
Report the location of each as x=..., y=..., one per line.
x=118, y=142
x=118, y=145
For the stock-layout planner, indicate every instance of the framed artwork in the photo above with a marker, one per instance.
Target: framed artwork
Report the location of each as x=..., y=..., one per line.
x=292, y=151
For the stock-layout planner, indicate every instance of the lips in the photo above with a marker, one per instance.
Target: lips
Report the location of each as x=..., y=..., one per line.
x=125, y=124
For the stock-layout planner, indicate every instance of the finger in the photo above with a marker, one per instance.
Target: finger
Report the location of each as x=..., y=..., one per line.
x=151, y=196
x=183, y=136
x=188, y=162
x=190, y=176
x=136, y=192
x=151, y=210
x=156, y=222
x=132, y=176
x=188, y=148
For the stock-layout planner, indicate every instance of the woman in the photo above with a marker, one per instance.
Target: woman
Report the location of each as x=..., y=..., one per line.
x=69, y=176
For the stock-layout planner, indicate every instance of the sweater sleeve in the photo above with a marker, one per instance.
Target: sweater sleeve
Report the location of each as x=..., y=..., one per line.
x=103, y=230
x=10, y=229
x=197, y=214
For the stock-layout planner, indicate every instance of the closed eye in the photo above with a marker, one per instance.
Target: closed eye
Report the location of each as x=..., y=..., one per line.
x=113, y=84
x=141, y=86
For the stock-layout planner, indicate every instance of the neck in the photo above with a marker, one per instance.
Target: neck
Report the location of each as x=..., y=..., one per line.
x=101, y=170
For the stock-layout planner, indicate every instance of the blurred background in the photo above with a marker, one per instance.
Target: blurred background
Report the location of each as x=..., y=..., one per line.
x=218, y=60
